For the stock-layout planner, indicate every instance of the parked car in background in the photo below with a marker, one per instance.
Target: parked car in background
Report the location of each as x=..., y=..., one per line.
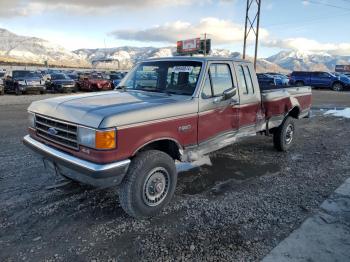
x=95, y=82
x=24, y=81
x=267, y=81
x=116, y=79
x=284, y=78
x=320, y=80
x=60, y=83
x=2, y=88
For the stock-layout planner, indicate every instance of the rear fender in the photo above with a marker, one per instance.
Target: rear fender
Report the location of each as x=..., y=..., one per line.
x=294, y=111
x=291, y=109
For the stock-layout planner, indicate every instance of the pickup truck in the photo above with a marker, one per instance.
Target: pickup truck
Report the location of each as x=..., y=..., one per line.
x=132, y=137
x=23, y=81
x=60, y=82
x=320, y=80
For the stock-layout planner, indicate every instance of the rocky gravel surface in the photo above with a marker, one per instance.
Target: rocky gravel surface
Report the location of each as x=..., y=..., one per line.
x=236, y=209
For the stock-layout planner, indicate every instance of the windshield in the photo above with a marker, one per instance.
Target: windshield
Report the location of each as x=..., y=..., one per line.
x=72, y=76
x=173, y=77
x=115, y=77
x=59, y=77
x=28, y=74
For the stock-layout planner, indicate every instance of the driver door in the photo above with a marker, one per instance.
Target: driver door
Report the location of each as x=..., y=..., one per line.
x=217, y=116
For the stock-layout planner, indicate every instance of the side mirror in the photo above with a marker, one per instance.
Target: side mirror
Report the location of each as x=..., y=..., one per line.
x=229, y=93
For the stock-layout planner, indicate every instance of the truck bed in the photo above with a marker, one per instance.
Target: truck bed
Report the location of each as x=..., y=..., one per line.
x=278, y=102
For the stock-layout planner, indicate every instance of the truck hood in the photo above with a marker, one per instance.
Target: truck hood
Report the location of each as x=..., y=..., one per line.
x=114, y=108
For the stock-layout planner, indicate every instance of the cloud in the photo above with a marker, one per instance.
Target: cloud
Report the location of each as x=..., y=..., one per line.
x=221, y=31
x=224, y=32
x=11, y=8
x=304, y=44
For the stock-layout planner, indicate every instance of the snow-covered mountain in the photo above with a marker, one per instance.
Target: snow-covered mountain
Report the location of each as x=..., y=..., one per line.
x=122, y=57
x=16, y=48
x=308, y=61
x=35, y=50
x=125, y=57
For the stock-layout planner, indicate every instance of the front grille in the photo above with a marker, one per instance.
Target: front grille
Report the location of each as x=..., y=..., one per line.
x=59, y=132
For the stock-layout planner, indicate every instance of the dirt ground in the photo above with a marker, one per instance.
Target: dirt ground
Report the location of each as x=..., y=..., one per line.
x=237, y=209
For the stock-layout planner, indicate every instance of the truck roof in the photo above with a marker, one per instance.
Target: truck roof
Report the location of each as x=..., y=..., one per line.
x=197, y=58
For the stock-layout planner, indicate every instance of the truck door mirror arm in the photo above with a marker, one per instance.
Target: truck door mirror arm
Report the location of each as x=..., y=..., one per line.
x=229, y=93
x=226, y=95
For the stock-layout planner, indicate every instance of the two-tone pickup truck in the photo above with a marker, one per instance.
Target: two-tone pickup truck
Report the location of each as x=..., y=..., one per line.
x=132, y=137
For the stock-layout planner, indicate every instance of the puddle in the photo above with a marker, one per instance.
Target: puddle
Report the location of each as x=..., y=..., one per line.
x=220, y=169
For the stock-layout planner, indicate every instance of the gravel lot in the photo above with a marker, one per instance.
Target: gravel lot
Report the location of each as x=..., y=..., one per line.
x=238, y=209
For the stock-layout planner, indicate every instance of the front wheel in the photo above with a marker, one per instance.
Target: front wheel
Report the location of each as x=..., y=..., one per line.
x=149, y=184
x=337, y=87
x=18, y=92
x=283, y=136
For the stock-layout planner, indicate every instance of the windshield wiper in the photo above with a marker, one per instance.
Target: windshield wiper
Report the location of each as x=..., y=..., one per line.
x=162, y=91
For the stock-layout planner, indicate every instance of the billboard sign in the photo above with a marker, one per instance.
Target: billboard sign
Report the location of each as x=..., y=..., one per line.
x=189, y=46
x=342, y=68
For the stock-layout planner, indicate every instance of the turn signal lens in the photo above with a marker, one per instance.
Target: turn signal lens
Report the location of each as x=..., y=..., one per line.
x=105, y=139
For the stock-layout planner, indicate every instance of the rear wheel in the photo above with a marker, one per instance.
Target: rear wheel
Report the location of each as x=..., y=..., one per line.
x=337, y=87
x=149, y=184
x=283, y=136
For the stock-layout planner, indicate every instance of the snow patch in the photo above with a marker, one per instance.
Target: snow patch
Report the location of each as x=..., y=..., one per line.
x=339, y=113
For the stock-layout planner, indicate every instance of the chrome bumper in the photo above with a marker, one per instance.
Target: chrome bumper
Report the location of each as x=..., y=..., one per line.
x=100, y=175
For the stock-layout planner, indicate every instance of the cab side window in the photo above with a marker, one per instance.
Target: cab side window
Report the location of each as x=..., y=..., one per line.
x=242, y=81
x=249, y=80
x=218, y=80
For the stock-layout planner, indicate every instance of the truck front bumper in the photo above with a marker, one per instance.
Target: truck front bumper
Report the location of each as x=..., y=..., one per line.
x=30, y=88
x=98, y=175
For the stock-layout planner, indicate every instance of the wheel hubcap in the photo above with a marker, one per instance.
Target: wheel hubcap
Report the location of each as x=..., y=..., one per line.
x=337, y=87
x=156, y=186
x=289, y=134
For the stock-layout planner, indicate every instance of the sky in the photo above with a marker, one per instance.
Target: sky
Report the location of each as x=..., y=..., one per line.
x=301, y=25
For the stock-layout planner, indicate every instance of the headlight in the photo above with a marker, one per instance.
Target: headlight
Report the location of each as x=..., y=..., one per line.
x=98, y=139
x=31, y=120
x=22, y=83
